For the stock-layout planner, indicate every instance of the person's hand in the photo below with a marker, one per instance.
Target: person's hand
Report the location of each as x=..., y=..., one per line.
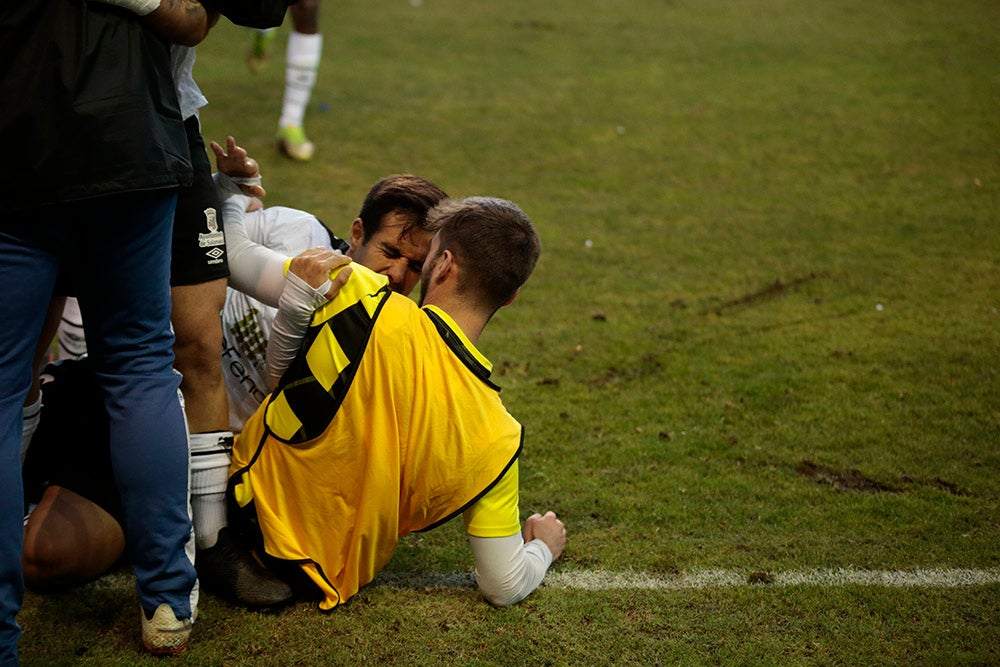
x=184, y=22
x=548, y=529
x=234, y=162
x=315, y=265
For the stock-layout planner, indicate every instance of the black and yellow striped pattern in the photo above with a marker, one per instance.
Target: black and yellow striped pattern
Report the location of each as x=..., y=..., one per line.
x=315, y=384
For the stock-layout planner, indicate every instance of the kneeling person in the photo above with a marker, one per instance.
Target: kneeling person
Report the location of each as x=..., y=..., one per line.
x=387, y=422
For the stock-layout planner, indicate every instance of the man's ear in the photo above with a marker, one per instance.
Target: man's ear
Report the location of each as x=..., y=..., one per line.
x=357, y=236
x=445, y=266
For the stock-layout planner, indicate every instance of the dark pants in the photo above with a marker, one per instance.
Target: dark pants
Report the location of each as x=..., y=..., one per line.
x=115, y=251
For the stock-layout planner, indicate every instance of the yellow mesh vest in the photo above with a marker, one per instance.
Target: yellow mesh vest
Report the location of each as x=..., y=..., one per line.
x=386, y=423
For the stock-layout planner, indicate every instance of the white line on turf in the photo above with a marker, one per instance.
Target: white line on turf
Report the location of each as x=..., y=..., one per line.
x=704, y=579
x=920, y=578
x=593, y=580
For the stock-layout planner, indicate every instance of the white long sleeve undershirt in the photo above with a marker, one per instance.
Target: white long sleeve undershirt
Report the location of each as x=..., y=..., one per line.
x=296, y=306
x=507, y=569
x=259, y=271
x=254, y=269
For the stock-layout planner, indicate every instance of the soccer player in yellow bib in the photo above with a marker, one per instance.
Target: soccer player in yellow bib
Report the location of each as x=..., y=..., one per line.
x=387, y=422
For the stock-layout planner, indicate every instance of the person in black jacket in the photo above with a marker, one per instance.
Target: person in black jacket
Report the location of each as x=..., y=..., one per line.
x=91, y=112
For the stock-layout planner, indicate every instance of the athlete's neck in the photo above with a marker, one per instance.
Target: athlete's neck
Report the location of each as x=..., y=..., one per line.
x=470, y=320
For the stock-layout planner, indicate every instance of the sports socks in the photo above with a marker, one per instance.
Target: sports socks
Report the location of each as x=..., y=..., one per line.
x=209, y=476
x=302, y=62
x=72, y=342
x=32, y=414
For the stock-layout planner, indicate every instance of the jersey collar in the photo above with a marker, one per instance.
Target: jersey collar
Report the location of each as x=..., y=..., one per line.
x=459, y=343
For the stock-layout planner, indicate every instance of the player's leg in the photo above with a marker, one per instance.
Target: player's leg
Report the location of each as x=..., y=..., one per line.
x=198, y=330
x=198, y=349
x=26, y=263
x=123, y=289
x=305, y=48
x=198, y=275
x=260, y=50
x=305, y=16
x=68, y=540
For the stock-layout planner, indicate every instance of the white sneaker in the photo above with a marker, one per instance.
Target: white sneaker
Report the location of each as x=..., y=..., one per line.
x=164, y=634
x=293, y=143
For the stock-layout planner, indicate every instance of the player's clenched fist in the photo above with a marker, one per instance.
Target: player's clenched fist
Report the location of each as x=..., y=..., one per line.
x=548, y=529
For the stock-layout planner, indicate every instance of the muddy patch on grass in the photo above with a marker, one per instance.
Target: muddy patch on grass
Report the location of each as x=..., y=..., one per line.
x=842, y=480
x=940, y=485
x=776, y=289
x=854, y=480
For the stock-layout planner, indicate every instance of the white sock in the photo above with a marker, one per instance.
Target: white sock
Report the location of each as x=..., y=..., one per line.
x=32, y=414
x=209, y=476
x=72, y=342
x=190, y=547
x=301, y=63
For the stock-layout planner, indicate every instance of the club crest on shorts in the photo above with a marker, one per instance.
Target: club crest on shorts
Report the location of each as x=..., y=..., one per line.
x=214, y=239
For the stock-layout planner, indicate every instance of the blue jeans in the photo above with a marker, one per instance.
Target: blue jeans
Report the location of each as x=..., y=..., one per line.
x=115, y=253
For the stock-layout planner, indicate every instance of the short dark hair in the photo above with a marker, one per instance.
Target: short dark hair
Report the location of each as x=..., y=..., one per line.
x=493, y=242
x=409, y=196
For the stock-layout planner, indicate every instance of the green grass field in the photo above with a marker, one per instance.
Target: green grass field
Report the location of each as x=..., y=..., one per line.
x=763, y=339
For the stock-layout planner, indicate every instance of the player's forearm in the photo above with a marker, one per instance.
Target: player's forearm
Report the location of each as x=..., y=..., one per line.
x=184, y=22
x=253, y=269
x=507, y=569
x=296, y=306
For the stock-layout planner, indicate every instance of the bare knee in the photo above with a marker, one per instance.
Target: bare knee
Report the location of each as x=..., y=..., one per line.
x=198, y=330
x=200, y=359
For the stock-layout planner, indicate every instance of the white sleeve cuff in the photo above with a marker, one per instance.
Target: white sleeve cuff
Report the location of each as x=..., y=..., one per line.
x=507, y=569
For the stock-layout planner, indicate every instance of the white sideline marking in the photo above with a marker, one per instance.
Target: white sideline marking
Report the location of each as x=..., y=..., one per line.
x=601, y=580
x=594, y=580
x=921, y=578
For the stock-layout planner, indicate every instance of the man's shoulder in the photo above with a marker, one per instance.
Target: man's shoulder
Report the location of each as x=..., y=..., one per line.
x=360, y=300
x=288, y=230
x=364, y=281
